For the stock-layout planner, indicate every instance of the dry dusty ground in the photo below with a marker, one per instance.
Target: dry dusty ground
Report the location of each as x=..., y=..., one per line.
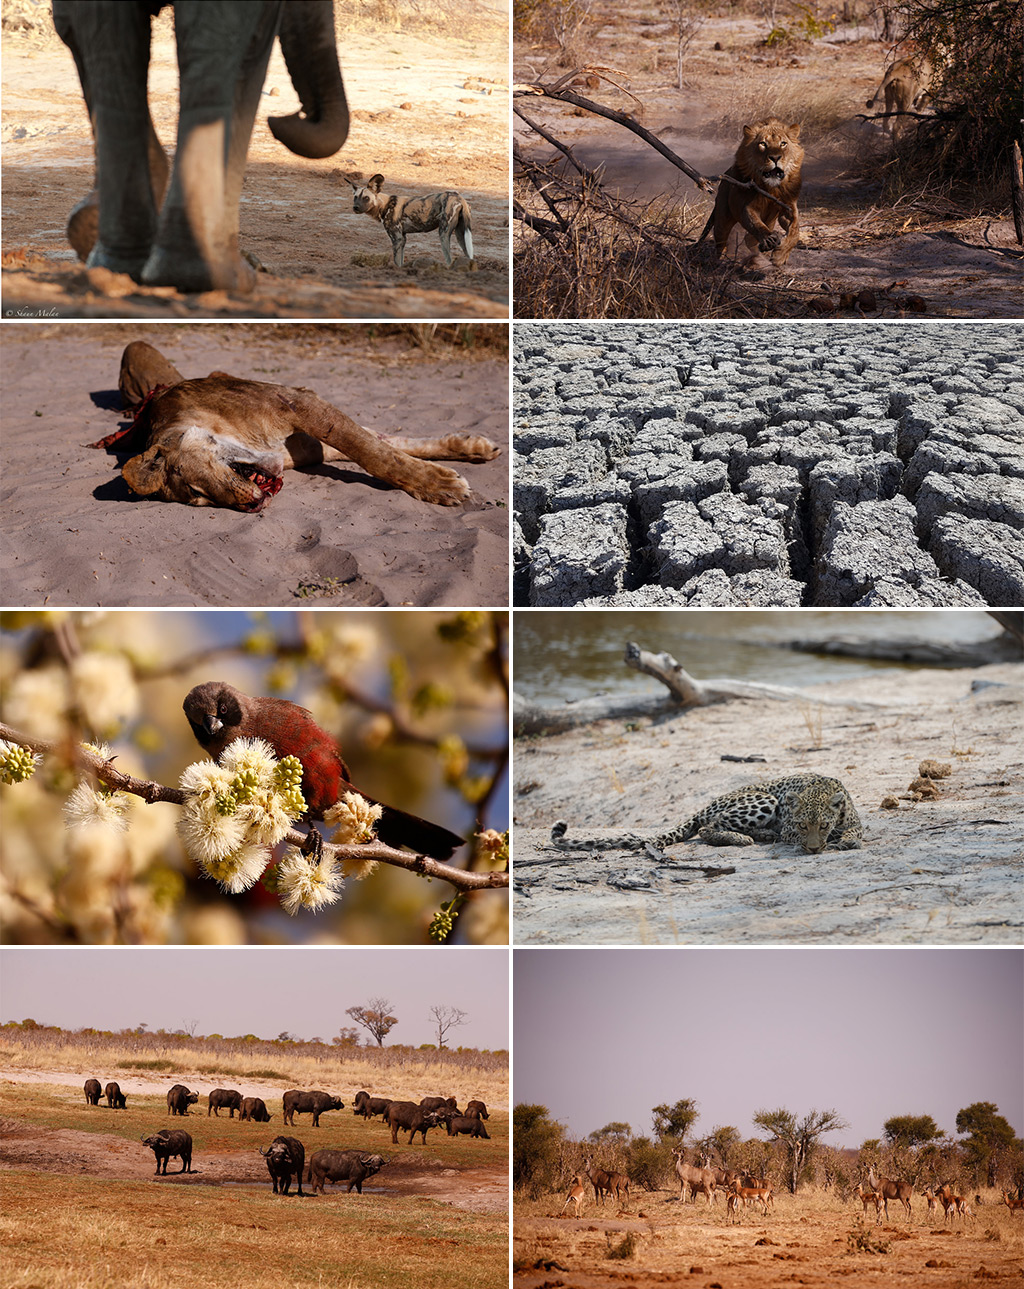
x=429, y=111
x=74, y=534
x=946, y=871
x=410, y=1171
x=851, y=240
x=809, y=1240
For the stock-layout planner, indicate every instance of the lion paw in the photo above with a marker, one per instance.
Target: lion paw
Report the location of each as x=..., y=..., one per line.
x=441, y=487
x=469, y=447
x=770, y=242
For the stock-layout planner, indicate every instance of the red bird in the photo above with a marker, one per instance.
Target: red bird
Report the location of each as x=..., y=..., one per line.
x=219, y=713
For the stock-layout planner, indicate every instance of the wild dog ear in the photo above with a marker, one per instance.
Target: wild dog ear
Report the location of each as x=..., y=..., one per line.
x=374, y=183
x=146, y=473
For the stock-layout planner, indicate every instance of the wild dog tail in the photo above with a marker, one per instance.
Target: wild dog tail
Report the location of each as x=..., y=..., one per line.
x=464, y=232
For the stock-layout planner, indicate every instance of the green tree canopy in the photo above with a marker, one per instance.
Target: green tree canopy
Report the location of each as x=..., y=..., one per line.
x=675, y=1120
x=989, y=1135
x=911, y=1130
x=536, y=1141
x=613, y=1134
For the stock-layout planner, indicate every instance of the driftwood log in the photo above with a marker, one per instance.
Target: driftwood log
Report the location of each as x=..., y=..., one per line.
x=685, y=691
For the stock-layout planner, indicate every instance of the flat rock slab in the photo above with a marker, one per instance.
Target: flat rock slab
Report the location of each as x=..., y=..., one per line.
x=946, y=871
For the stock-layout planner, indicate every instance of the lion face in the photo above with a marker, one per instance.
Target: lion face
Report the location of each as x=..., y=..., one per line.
x=770, y=152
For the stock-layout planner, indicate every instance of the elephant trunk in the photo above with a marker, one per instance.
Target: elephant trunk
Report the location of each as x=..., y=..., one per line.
x=307, y=41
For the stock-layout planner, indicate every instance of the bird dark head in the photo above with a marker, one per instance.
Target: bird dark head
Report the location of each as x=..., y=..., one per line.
x=212, y=708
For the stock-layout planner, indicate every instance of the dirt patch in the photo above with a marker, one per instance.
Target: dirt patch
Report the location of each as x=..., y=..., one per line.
x=948, y=262
x=429, y=111
x=940, y=871
x=106, y=1155
x=333, y=534
x=807, y=1241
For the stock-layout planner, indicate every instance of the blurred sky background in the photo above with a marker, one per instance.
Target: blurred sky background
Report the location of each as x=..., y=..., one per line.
x=603, y=1035
x=237, y=991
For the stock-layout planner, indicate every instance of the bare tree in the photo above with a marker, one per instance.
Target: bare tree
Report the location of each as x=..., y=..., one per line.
x=375, y=1017
x=798, y=1139
x=446, y=1018
x=687, y=17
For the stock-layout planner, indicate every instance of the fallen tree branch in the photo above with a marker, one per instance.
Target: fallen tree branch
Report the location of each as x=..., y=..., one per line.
x=107, y=773
x=621, y=118
x=684, y=692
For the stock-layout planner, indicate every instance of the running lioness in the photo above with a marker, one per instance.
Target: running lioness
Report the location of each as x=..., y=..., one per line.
x=224, y=441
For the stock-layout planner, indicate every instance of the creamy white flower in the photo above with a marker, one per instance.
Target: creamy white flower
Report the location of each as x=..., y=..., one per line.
x=37, y=702
x=86, y=807
x=266, y=821
x=207, y=835
x=205, y=778
x=239, y=870
x=249, y=754
x=353, y=818
x=302, y=884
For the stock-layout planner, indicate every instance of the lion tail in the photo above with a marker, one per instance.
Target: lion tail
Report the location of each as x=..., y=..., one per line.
x=707, y=227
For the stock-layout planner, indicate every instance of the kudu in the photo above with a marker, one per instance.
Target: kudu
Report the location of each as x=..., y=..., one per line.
x=599, y=1179
x=901, y=1191
x=867, y=1197
x=698, y=1179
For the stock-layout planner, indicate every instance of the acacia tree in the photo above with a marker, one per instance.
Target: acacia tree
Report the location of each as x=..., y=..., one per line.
x=798, y=1139
x=989, y=1136
x=446, y=1018
x=376, y=1017
x=910, y=1130
x=674, y=1120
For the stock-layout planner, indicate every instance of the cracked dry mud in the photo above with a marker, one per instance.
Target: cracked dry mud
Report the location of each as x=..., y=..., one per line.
x=813, y=465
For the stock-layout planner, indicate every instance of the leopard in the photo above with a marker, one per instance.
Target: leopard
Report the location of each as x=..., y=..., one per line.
x=812, y=811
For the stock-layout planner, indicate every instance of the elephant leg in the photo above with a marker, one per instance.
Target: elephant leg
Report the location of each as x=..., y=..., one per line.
x=110, y=45
x=223, y=50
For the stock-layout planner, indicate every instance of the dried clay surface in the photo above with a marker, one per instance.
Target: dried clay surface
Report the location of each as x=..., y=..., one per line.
x=869, y=466
x=945, y=869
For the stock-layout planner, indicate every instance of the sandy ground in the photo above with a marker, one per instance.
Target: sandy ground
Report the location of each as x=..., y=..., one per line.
x=429, y=112
x=806, y=1241
x=74, y=534
x=946, y=871
x=108, y=1155
x=851, y=240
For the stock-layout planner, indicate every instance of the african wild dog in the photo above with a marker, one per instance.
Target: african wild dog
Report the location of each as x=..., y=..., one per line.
x=445, y=211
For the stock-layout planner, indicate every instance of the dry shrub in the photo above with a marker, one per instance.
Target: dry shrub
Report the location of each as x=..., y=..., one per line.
x=818, y=111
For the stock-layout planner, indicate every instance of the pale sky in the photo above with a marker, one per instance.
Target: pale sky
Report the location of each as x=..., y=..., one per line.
x=233, y=991
x=603, y=1035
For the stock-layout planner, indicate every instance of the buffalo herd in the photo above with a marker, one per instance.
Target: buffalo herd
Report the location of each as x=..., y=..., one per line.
x=286, y=1156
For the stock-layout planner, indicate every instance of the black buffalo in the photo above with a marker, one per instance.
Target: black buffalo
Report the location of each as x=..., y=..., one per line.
x=179, y=1098
x=369, y=1107
x=115, y=1097
x=478, y=1108
x=314, y=1103
x=254, y=1108
x=92, y=1091
x=411, y=1118
x=168, y=1142
x=224, y=1099
x=350, y=1167
x=440, y=1103
x=285, y=1158
x=470, y=1125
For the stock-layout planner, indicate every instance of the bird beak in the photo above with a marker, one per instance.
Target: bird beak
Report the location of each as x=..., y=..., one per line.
x=212, y=725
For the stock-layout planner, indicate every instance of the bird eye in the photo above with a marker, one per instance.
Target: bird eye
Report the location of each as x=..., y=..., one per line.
x=222, y=709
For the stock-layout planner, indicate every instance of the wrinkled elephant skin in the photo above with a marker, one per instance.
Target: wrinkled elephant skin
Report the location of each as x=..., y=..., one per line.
x=188, y=239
